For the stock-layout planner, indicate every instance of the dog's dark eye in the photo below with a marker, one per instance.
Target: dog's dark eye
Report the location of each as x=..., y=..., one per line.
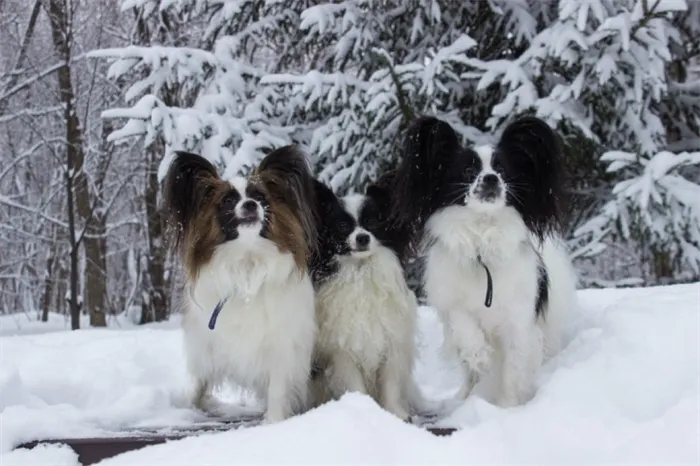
x=229, y=202
x=255, y=193
x=344, y=227
x=227, y=216
x=472, y=166
x=371, y=223
x=497, y=165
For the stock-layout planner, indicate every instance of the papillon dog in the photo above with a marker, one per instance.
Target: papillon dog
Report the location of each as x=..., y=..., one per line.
x=246, y=245
x=366, y=314
x=496, y=268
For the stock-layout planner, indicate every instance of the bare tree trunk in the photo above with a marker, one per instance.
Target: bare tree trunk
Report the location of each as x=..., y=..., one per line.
x=663, y=266
x=59, y=302
x=96, y=241
x=73, y=280
x=95, y=267
x=22, y=55
x=61, y=35
x=155, y=305
x=76, y=179
x=46, y=298
x=154, y=285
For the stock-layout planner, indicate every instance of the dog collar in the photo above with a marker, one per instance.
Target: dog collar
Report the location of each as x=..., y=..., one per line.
x=215, y=313
x=489, y=283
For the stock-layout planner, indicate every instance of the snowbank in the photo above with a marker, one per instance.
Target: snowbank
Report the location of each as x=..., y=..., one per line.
x=624, y=390
x=28, y=324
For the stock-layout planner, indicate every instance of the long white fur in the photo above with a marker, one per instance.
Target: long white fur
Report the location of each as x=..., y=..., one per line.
x=505, y=340
x=264, y=336
x=366, y=318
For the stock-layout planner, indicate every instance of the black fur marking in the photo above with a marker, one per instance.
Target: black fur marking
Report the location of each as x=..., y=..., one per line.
x=529, y=156
x=255, y=193
x=542, y=290
x=393, y=234
x=335, y=224
x=186, y=188
x=316, y=370
x=228, y=220
x=370, y=217
x=227, y=215
x=374, y=216
x=434, y=173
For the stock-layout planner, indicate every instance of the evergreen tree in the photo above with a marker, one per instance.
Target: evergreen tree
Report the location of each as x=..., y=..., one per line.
x=600, y=71
x=213, y=69
x=345, y=78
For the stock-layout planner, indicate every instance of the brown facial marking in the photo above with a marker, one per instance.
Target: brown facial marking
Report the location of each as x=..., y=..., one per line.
x=284, y=226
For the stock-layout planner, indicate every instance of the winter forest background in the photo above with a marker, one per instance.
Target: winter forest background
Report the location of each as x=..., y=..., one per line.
x=94, y=95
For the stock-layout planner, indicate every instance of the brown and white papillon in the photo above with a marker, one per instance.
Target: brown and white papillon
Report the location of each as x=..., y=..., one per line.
x=246, y=246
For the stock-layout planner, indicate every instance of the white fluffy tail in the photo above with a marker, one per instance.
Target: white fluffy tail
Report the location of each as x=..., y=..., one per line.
x=562, y=294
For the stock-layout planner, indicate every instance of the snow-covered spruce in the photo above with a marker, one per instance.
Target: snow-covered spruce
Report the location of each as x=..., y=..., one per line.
x=615, y=75
x=613, y=85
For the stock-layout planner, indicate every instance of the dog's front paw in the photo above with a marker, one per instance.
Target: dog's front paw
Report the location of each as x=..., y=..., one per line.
x=277, y=412
x=471, y=379
x=273, y=417
x=397, y=410
x=507, y=401
x=478, y=358
x=213, y=407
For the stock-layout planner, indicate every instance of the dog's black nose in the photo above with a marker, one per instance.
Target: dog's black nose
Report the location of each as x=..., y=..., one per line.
x=490, y=180
x=362, y=239
x=249, y=206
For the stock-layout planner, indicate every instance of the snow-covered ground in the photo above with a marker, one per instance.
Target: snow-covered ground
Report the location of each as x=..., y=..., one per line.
x=624, y=390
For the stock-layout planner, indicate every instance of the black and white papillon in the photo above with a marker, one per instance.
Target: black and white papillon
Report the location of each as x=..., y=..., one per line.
x=366, y=314
x=246, y=246
x=496, y=269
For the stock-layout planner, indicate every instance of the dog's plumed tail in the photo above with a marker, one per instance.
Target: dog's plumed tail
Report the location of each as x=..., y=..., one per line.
x=536, y=173
x=287, y=177
x=429, y=145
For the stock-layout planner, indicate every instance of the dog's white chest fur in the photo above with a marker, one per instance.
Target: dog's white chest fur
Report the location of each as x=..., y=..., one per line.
x=365, y=309
x=267, y=322
x=507, y=336
x=366, y=317
x=456, y=280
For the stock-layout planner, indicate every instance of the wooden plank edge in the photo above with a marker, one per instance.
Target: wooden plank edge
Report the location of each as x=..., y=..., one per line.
x=94, y=450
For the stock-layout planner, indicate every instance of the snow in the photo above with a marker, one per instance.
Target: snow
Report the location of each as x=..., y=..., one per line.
x=49, y=455
x=27, y=324
x=624, y=390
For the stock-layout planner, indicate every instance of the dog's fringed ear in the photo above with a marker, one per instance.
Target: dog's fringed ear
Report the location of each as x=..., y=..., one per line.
x=287, y=177
x=381, y=196
x=326, y=200
x=429, y=146
x=535, y=173
x=398, y=235
x=188, y=182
